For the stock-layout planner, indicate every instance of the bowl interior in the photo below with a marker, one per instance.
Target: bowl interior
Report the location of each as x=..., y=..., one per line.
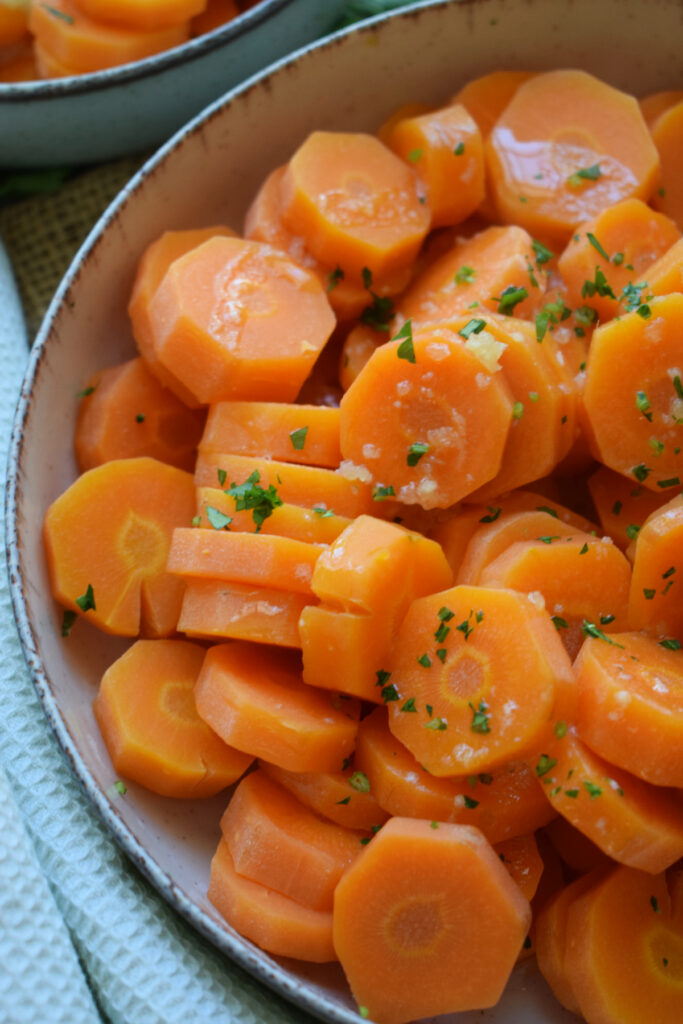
x=207, y=175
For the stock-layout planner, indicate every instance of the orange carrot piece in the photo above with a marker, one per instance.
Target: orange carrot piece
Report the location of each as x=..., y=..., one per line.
x=272, y=921
x=576, y=850
x=503, y=804
x=358, y=346
x=215, y=609
x=492, y=539
x=345, y=651
x=476, y=270
x=140, y=15
x=81, y=43
x=487, y=97
x=320, y=191
x=667, y=134
x=666, y=275
x=19, y=63
x=433, y=450
x=405, y=110
x=260, y=559
x=444, y=148
x=154, y=262
x=308, y=434
x=128, y=414
x=633, y=822
x=485, y=669
x=523, y=861
x=277, y=841
x=655, y=597
x=442, y=938
x=308, y=486
x=622, y=505
x=631, y=395
x=254, y=698
x=630, y=708
x=342, y=797
x=224, y=338
x=146, y=712
x=305, y=524
x=587, y=147
x=632, y=236
x=106, y=541
x=623, y=949
x=215, y=14
x=13, y=24
x=657, y=102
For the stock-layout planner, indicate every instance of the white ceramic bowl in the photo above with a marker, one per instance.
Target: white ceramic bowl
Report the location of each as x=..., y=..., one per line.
x=207, y=174
x=90, y=118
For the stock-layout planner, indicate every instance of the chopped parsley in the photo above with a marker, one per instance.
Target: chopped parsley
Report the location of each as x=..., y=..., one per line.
x=590, y=629
x=592, y=790
x=409, y=705
x=334, y=277
x=140, y=418
x=470, y=803
x=414, y=155
x=559, y=622
x=596, y=245
x=517, y=410
x=298, y=438
x=85, y=392
x=643, y=405
x=425, y=661
x=67, y=621
x=560, y=730
x=251, y=496
x=382, y=493
x=670, y=644
x=86, y=602
x=360, y=782
x=415, y=452
x=493, y=513
x=480, y=720
x=598, y=286
x=509, y=298
x=473, y=326
x=543, y=254
x=632, y=531
x=551, y=314
x=120, y=787
x=406, y=349
x=217, y=519
x=672, y=481
x=545, y=765
x=641, y=472
x=379, y=314
x=437, y=724
x=465, y=275
x=591, y=173
x=459, y=149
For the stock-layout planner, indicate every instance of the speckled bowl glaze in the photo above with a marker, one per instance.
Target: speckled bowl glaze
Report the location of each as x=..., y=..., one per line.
x=207, y=174
x=90, y=118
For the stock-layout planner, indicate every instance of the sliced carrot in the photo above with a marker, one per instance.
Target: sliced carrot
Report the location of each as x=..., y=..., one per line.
x=266, y=560
x=655, y=598
x=215, y=14
x=630, y=708
x=490, y=540
x=633, y=822
x=622, y=505
x=254, y=698
x=81, y=43
x=405, y=110
x=19, y=64
x=631, y=397
x=482, y=667
x=154, y=262
x=308, y=434
x=577, y=851
x=106, y=541
x=503, y=804
x=146, y=712
x=345, y=651
x=481, y=270
x=13, y=23
x=427, y=921
x=623, y=949
x=487, y=97
x=127, y=413
x=355, y=204
x=308, y=486
x=667, y=133
x=621, y=242
x=140, y=15
x=359, y=344
x=215, y=609
x=49, y=66
x=657, y=102
x=274, y=922
x=313, y=526
x=579, y=579
x=277, y=841
x=343, y=797
x=666, y=275
x=444, y=148
x=429, y=424
x=523, y=861
x=585, y=145
x=234, y=319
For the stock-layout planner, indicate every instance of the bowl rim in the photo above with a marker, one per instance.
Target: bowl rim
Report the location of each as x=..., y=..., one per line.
x=186, y=53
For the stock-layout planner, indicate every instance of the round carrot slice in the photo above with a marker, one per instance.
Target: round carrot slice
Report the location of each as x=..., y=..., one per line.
x=143, y=15
x=487, y=97
x=13, y=23
x=667, y=133
x=566, y=146
x=342, y=797
x=657, y=102
x=484, y=669
x=655, y=598
x=630, y=707
x=427, y=418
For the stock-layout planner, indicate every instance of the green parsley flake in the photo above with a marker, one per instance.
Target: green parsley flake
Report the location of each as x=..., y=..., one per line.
x=548, y=510
x=415, y=452
x=643, y=405
x=465, y=275
x=444, y=614
x=641, y=472
x=442, y=632
x=470, y=804
x=551, y=315
x=324, y=513
x=222, y=476
x=217, y=519
x=517, y=410
x=381, y=312
x=559, y=622
x=360, y=782
x=334, y=277
x=441, y=654
x=437, y=724
x=657, y=446
x=644, y=311
x=584, y=550
x=632, y=531
x=480, y=720
x=545, y=765
x=654, y=903
x=543, y=254
x=493, y=513
x=585, y=315
x=390, y=693
x=591, y=173
x=459, y=149
x=425, y=661
x=572, y=793
x=678, y=387
x=560, y=730
x=473, y=326
x=346, y=800
x=414, y=155
x=509, y=298
x=617, y=259
x=596, y=245
x=649, y=594
x=632, y=295
x=598, y=286
x=86, y=602
x=672, y=481
x=406, y=349
x=298, y=438
x=140, y=418
x=590, y=629
x=120, y=787
x=592, y=790
x=85, y=392
x=670, y=644
x=383, y=677
x=382, y=493
x=409, y=705
x=251, y=496
x=58, y=14
x=67, y=621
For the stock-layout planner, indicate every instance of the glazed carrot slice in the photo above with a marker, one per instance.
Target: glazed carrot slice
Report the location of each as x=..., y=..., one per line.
x=622, y=505
x=146, y=712
x=320, y=201
x=154, y=262
x=579, y=578
x=277, y=841
x=586, y=147
x=359, y=344
x=630, y=708
x=523, y=861
x=399, y=114
x=346, y=651
x=503, y=803
x=482, y=667
x=13, y=23
x=266, y=560
x=81, y=43
x=623, y=948
x=633, y=822
x=434, y=449
x=621, y=242
x=305, y=524
x=234, y=319
x=487, y=97
x=442, y=938
x=106, y=542
x=140, y=15
x=342, y=797
x=492, y=539
x=274, y=922
x=576, y=850
x=215, y=14
x=631, y=396
x=666, y=275
x=216, y=609
x=667, y=133
x=481, y=270
x=126, y=413
x=444, y=148
x=308, y=434
x=309, y=486
x=655, y=598
x=254, y=698
x=657, y=102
